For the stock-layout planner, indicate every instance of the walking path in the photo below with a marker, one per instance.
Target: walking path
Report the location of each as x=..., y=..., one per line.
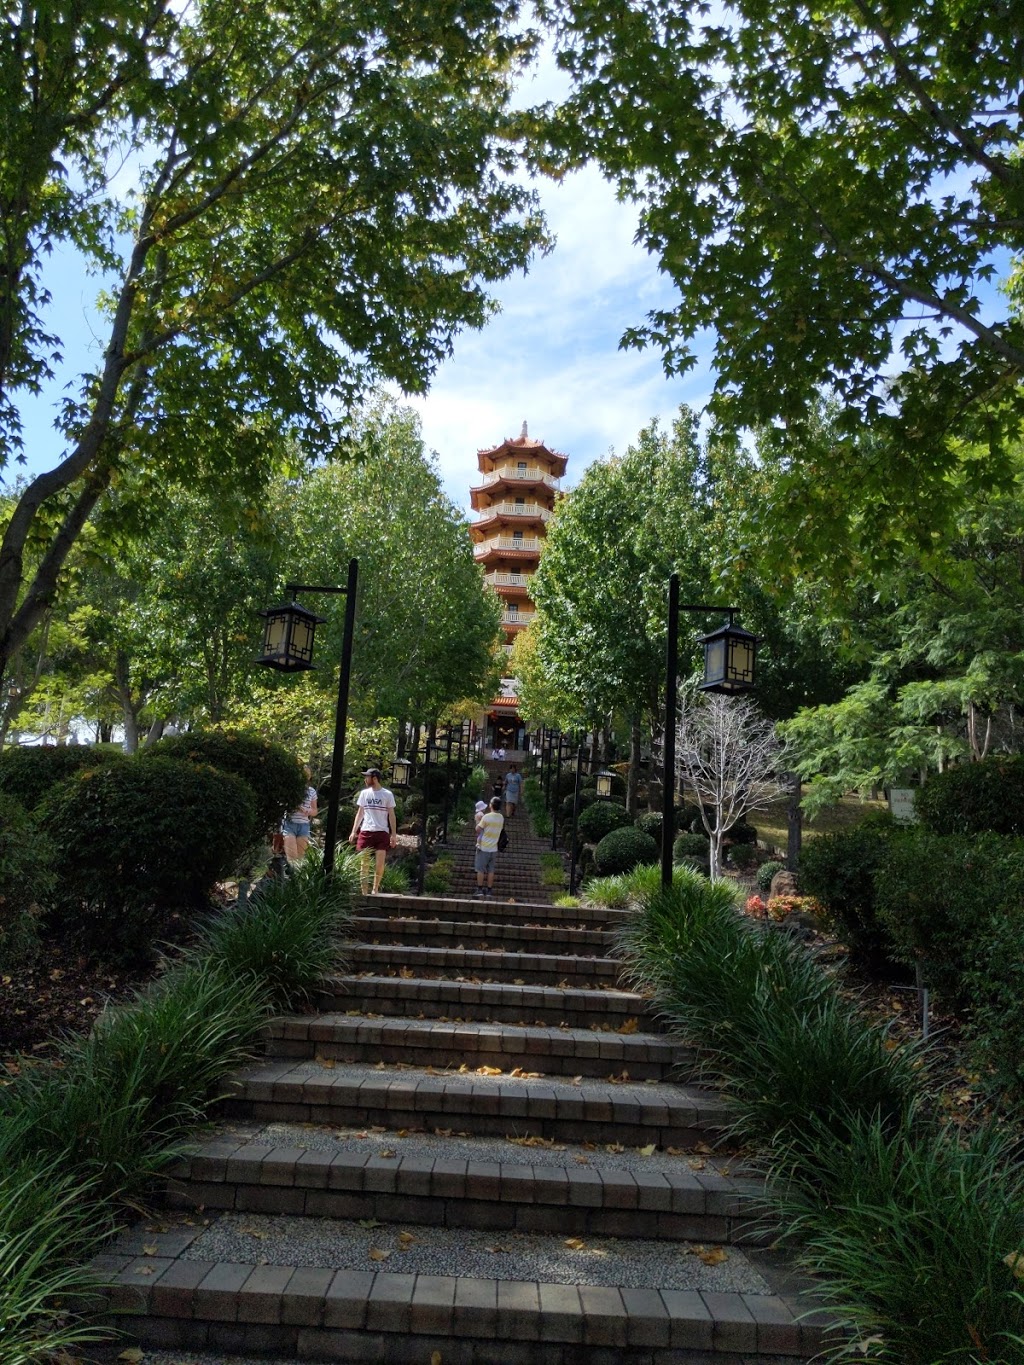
x=480, y=1150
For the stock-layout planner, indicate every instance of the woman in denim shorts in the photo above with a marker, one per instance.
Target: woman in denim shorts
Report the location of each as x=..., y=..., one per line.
x=295, y=825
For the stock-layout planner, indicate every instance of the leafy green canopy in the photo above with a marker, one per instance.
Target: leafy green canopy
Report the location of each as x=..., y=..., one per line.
x=832, y=189
x=290, y=202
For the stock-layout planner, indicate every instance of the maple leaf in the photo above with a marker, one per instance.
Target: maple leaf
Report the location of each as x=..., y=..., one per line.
x=630, y=1026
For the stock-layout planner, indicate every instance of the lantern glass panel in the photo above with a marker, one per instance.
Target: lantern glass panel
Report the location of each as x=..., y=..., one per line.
x=402, y=772
x=276, y=635
x=714, y=662
x=741, y=664
x=604, y=784
x=303, y=630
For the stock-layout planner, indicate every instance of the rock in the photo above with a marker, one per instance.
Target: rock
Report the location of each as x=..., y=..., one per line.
x=783, y=884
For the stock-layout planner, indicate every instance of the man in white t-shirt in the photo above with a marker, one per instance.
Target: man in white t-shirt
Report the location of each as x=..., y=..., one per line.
x=488, y=831
x=373, y=829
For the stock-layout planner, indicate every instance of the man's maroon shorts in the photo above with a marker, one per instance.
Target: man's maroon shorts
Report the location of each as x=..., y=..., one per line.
x=373, y=838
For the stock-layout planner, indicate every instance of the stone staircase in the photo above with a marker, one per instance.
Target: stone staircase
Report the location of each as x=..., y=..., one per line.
x=480, y=1149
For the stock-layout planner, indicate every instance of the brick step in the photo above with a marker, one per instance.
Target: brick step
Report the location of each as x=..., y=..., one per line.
x=484, y=935
x=636, y=1115
x=539, y=969
x=427, y=1042
x=497, y=1001
x=169, y=1297
x=495, y=911
x=381, y=1183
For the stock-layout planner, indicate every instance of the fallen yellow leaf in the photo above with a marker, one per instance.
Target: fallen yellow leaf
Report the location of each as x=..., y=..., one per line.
x=575, y=1243
x=630, y=1026
x=649, y=1150
x=488, y=1071
x=378, y=1254
x=1015, y=1260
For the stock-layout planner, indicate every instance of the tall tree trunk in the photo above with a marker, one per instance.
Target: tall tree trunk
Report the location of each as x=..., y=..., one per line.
x=633, y=775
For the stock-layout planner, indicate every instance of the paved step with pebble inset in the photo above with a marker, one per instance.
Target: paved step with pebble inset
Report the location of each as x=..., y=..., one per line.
x=177, y=1292
x=635, y=1114
x=504, y=1002
x=525, y=937
x=496, y=911
x=565, y=1192
x=541, y=969
x=354, y=1037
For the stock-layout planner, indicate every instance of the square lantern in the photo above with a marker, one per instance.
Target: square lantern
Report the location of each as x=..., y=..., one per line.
x=401, y=772
x=288, y=638
x=730, y=655
x=604, y=782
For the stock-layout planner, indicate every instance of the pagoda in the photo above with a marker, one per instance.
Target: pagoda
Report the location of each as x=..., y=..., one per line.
x=513, y=502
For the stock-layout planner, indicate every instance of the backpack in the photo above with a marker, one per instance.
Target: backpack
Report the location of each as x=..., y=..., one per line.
x=502, y=840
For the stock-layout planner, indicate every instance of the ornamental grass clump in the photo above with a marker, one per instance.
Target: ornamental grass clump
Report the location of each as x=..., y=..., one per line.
x=48, y=1231
x=122, y=1096
x=913, y=1231
x=287, y=935
x=771, y=1027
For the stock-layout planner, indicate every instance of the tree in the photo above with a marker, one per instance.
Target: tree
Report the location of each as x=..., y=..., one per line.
x=944, y=653
x=426, y=627
x=316, y=197
x=833, y=191
x=729, y=755
x=601, y=588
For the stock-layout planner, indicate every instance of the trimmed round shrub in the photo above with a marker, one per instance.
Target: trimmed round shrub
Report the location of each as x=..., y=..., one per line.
x=437, y=782
x=587, y=799
x=690, y=846
x=272, y=774
x=28, y=772
x=141, y=842
x=651, y=823
x=600, y=819
x=622, y=850
x=766, y=872
x=976, y=798
x=741, y=833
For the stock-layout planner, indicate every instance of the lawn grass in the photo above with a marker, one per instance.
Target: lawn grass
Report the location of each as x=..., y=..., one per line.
x=848, y=811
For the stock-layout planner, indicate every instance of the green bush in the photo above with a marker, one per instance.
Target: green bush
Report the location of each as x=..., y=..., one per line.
x=28, y=772
x=690, y=846
x=565, y=809
x=741, y=833
x=976, y=798
x=743, y=856
x=27, y=856
x=937, y=897
x=994, y=983
x=623, y=849
x=840, y=871
x=766, y=872
x=141, y=842
x=651, y=822
x=600, y=819
x=272, y=774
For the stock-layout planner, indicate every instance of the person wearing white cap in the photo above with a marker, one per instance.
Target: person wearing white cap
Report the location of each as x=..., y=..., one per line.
x=373, y=830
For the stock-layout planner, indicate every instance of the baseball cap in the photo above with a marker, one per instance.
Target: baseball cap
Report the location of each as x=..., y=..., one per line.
x=371, y=772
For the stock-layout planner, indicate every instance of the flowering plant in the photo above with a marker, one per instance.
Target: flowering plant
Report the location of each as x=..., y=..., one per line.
x=781, y=907
x=755, y=906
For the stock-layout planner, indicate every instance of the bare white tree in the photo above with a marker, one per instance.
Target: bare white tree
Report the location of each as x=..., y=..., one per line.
x=729, y=754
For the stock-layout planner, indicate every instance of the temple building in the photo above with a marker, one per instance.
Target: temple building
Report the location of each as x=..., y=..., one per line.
x=519, y=484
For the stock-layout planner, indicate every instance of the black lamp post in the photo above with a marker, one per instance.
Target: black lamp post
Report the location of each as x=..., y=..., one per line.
x=575, y=819
x=401, y=776
x=730, y=658
x=288, y=639
x=560, y=743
